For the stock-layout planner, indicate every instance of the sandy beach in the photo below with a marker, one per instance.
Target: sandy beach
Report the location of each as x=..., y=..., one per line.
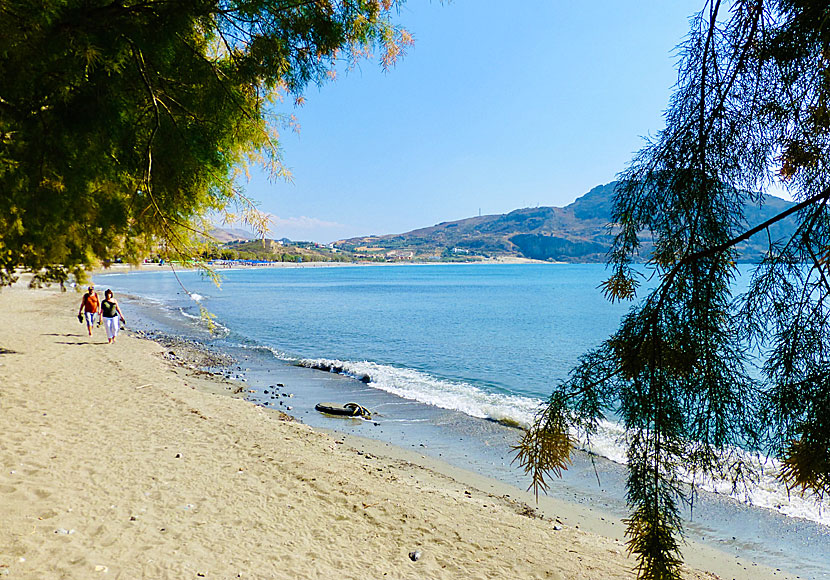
x=117, y=463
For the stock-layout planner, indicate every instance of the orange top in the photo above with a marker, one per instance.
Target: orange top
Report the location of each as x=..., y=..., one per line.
x=91, y=303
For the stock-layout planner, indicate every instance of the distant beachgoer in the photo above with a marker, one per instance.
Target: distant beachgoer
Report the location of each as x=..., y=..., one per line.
x=90, y=305
x=111, y=314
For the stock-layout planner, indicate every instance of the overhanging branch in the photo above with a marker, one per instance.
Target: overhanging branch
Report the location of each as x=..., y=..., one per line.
x=823, y=196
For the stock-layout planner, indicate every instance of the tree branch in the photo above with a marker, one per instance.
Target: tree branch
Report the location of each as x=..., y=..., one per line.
x=823, y=196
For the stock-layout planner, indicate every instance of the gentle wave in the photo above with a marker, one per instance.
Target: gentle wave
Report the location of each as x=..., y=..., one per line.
x=766, y=492
x=218, y=328
x=277, y=354
x=445, y=394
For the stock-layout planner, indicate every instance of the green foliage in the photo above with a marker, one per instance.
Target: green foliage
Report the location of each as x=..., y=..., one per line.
x=750, y=111
x=122, y=123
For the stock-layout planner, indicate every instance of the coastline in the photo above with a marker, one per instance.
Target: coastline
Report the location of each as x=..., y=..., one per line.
x=219, y=267
x=117, y=462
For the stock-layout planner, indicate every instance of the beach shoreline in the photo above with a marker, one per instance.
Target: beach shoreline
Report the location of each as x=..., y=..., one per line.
x=121, y=463
x=219, y=266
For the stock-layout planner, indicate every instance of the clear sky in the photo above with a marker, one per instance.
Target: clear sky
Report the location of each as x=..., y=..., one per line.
x=499, y=105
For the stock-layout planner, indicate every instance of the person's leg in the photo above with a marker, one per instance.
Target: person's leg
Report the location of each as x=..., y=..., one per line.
x=90, y=321
x=111, y=326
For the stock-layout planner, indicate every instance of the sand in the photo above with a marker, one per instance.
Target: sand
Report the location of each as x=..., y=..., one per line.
x=116, y=463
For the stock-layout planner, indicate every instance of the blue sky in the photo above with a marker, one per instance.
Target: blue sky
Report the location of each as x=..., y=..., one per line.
x=498, y=105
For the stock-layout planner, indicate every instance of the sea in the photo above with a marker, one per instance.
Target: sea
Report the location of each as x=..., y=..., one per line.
x=447, y=356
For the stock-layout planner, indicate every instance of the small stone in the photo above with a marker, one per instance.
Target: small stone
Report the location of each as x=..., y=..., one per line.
x=557, y=528
x=178, y=455
x=415, y=556
x=100, y=568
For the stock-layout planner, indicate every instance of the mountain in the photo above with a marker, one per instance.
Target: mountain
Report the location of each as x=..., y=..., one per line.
x=224, y=235
x=578, y=232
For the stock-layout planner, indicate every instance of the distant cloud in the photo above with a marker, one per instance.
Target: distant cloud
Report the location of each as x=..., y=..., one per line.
x=304, y=228
x=300, y=223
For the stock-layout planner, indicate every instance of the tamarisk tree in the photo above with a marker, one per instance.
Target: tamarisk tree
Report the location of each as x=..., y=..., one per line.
x=124, y=122
x=750, y=113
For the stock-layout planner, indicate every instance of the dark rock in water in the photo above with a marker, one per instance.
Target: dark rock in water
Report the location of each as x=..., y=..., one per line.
x=265, y=392
x=280, y=385
x=333, y=368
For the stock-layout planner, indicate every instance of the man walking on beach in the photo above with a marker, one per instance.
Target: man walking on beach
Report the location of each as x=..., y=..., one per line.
x=90, y=305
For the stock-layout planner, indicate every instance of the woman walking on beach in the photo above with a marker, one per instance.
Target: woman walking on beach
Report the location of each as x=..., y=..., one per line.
x=90, y=306
x=111, y=314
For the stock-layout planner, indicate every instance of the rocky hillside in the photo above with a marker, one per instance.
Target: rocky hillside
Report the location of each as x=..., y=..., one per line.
x=224, y=235
x=578, y=232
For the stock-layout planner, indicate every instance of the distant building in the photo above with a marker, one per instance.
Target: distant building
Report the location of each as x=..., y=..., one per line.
x=400, y=255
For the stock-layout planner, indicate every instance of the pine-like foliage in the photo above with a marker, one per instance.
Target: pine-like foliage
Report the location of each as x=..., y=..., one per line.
x=750, y=112
x=122, y=122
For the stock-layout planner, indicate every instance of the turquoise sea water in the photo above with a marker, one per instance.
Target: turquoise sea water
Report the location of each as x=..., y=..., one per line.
x=431, y=343
x=508, y=330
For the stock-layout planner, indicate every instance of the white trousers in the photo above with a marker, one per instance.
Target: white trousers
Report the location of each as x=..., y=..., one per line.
x=111, y=324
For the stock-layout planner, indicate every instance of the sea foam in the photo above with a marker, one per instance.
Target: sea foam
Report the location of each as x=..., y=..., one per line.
x=765, y=492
